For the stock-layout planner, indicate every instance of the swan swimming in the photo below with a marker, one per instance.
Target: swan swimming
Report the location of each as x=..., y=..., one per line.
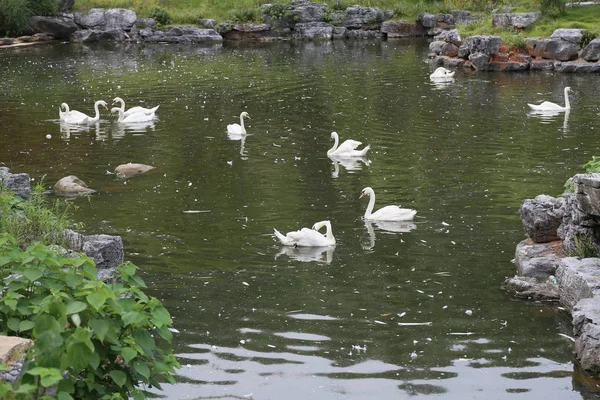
x=239, y=129
x=79, y=118
x=134, y=110
x=131, y=118
x=308, y=237
x=549, y=106
x=442, y=73
x=346, y=149
x=387, y=213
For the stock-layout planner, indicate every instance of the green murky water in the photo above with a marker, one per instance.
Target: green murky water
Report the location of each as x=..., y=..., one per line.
x=381, y=316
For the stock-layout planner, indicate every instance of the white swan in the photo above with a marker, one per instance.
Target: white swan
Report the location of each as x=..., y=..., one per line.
x=549, y=106
x=79, y=118
x=308, y=237
x=346, y=149
x=131, y=118
x=442, y=73
x=134, y=110
x=387, y=213
x=239, y=129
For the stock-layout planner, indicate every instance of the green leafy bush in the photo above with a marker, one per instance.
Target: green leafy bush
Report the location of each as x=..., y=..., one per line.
x=552, y=6
x=92, y=340
x=245, y=15
x=15, y=14
x=160, y=15
x=592, y=166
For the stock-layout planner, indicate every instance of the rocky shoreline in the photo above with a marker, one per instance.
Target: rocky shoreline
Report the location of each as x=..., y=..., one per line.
x=552, y=264
x=567, y=50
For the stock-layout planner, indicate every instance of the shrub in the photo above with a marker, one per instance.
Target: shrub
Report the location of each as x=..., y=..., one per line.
x=339, y=5
x=552, y=6
x=15, y=14
x=592, y=166
x=160, y=15
x=91, y=339
x=245, y=15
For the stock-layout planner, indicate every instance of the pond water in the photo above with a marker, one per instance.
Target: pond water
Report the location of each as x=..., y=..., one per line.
x=405, y=311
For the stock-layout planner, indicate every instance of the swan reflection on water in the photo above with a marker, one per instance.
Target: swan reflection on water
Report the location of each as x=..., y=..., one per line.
x=549, y=116
x=67, y=129
x=121, y=128
x=350, y=163
x=387, y=226
x=322, y=255
x=241, y=138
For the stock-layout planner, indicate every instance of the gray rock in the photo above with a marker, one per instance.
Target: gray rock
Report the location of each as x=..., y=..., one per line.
x=480, y=61
x=515, y=20
x=142, y=23
x=131, y=169
x=398, y=29
x=536, y=260
x=207, y=23
x=577, y=67
x=554, y=49
x=259, y=32
x=591, y=52
x=358, y=17
x=530, y=289
x=586, y=330
x=313, y=31
x=489, y=45
x=302, y=12
x=105, y=250
x=541, y=64
x=362, y=34
x=541, y=217
x=20, y=184
x=119, y=18
x=94, y=35
x=339, y=32
x=427, y=20
x=578, y=279
x=450, y=36
x=71, y=186
x=574, y=36
x=74, y=240
x=93, y=20
x=61, y=27
x=436, y=47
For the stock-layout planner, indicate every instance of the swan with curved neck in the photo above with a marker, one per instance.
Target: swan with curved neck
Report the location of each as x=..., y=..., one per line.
x=136, y=117
x=387, y=213
x=308, y=237
x=347, y=148
x=70, y=115
x=134, y=110
x=239, y=129
x=549, y=106
x=442, y=73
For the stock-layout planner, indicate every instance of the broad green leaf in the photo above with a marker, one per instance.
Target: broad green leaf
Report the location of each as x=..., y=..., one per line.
x=45, y=323
x=13, y=324
x=36, y=371
x=96, y=299
x=133, y=317
x=160, y=316
x=139, y=396
x=33, y=274
x=128, y=354
x=165, y=333
x=73, y=280
x=119, y=377
x=82, y=335
x=64, y=396
x=145, y=340
x=79, y=355
x=90, y=270
x=75, y=307
x=48, y=340
x=100, y=328
x=26, y=325
x=141, y=368
x=51, y=377
x=95, y=360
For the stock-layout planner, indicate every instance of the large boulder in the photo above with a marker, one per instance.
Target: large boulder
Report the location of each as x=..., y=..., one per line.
x=61, y=27
x=132, y=169
x=105, y=250
x=488, y=45
x=579, y=278
x=94, y=19
x=554, y=49
x=577, y=66
x=303, y=11
x=358, y=17
x=591, y=52
x=95, y=35
x=101, y=19
x=17, y=183
x=586, y=330
x=574, y=36
x=398, y=29
x=541, y=217
x=313, y=31
x=258, y=32
x=515, y=20
x=71, y=186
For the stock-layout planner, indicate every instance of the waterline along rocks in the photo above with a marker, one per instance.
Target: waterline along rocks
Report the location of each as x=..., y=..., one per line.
x=559, y=260
x=567, y=50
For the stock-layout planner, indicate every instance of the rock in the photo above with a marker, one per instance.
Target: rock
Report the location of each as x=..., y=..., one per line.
x=480, y=61
x=515, y=20
x=71, y=186
x=436, y=47
x=339, y=32
x=578, y=279
x=119, y=18
x=574, y=36
x=531, y=289
x=591, y=52
x=450, y=36
x=586, y=330
x=89, y=35
x=258, y=32
x=541, y=217
x=61, y=27
x=20, y=184
x=207, y=23
x=554, y=49
x=577, y=66
x=488, y=45
x=93, y=20
x=537, y=260
x=131, y=169
x=105, y=250
x=541, y=64
x=427, y=20
x=13, y=348
x=398, y=29
x=359, y=17
x=302, y=12
x=362, y=34
x=313, y=31
x=65, y=5
x=74, y=240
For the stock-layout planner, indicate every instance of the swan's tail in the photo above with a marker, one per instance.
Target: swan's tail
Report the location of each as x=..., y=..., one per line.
x=364, y=151
x=283, y=239
x=532, y=106
x=153, y=110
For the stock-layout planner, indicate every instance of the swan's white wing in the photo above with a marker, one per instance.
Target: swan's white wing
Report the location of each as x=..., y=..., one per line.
x=138, y=109
x=76, y=119
x=138, y=117
x=546, y=106
x=348, y=146
x=235, y=128
x=393, y=213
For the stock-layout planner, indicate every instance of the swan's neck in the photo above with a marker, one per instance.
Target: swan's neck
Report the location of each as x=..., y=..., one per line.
x=335, y=144
x=66, y=107
x=567, y=104
x=97, y=116
x=121, y=115
x=242, y=123
x=122, y=103
x=328, y=234
x=371, y=205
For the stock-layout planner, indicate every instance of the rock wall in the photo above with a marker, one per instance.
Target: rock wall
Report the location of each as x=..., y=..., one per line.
x=557, y=228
